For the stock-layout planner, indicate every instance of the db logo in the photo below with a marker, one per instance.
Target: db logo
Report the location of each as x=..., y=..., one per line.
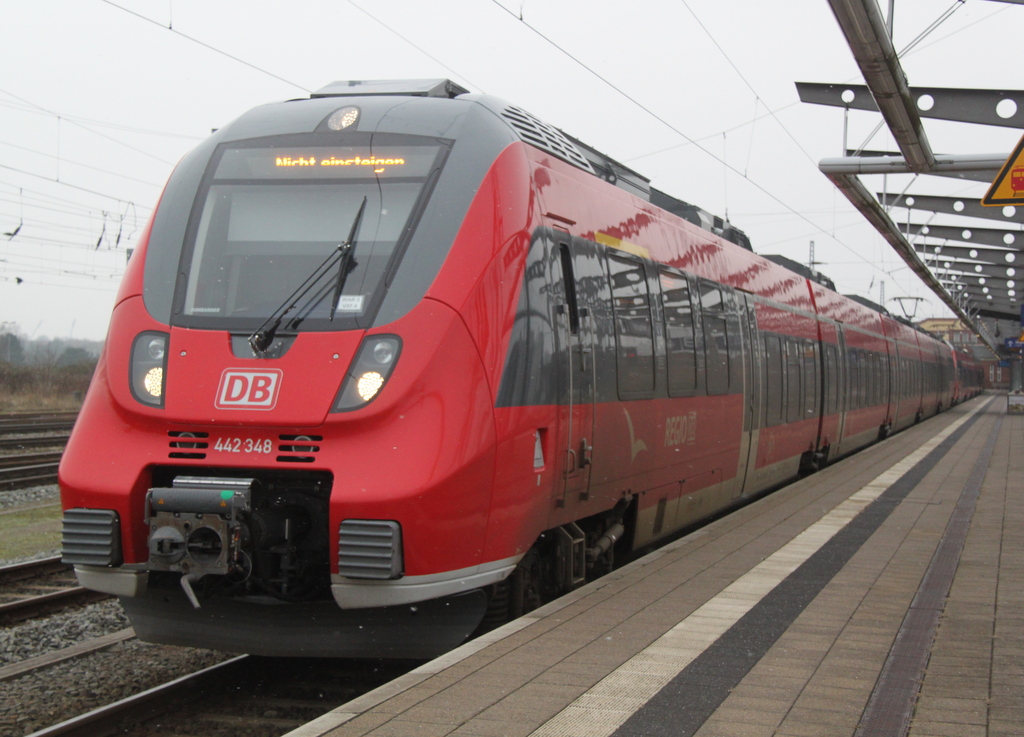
x=240, y=389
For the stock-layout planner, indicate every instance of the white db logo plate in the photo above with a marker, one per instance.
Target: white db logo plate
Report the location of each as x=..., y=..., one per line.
x=241, y=389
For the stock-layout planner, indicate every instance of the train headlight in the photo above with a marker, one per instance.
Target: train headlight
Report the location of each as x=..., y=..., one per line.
x=154, y=381
x=156, y=348
x=369, y=372
x=343, y=118
x=148, y=369
x=368, y=385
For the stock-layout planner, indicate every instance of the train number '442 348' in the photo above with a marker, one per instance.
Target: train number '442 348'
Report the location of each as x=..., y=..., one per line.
x=244, y=445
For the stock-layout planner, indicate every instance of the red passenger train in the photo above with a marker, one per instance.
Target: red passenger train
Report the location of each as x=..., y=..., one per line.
x=397, y=362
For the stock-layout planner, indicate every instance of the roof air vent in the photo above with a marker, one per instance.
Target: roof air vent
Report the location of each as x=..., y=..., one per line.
x=546, y=137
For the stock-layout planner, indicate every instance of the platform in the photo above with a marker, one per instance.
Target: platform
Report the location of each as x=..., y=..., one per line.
x=881, y=594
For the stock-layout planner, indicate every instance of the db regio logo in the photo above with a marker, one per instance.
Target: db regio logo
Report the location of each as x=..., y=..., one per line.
x=240, y=389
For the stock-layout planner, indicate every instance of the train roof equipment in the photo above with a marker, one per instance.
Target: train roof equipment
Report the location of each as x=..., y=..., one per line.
x=806, y=272
x=398, y=87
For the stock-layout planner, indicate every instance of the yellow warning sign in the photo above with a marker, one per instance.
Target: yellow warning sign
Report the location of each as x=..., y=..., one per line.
x=1008, y=186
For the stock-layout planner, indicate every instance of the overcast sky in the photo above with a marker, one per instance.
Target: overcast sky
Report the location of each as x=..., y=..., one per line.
x=99, y=100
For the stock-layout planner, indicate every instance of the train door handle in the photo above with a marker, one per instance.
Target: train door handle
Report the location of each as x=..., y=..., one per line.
x=586, y=453
x=570, y=461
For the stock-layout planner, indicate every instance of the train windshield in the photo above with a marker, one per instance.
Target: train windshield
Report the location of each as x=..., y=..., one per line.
x=268, y=216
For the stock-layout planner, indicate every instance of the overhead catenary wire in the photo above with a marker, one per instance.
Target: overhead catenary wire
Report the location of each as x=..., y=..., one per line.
x=772, y=112
x=757, y=97
x=33, y=226
x=67, y=206
x=43, y=222
x=961, y=29
x=87, y=128
x=27, y=108
x=64, y=184
x=672, y=127
x=208, y=46
x=426, y=53
x=81, y=164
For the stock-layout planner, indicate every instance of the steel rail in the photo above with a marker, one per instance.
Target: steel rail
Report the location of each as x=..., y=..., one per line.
x=10, y=428
x=34, y=606
x=19, y=668
x=30, y=605
x=31, y=569
x=30, y=459
x=38, y=441
x=147, y=704
x=21, y=477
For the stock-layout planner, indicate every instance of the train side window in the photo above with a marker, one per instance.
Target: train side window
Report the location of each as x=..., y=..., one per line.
x=869, y=376
x=853, y=360
x=633, y=327
x=569, y=282
x=774, y=373
x=794, y=398
x=810, y=379
x=864, y=369
x=876, y=378
x=682, y=354
x=873, y=382
x=883, y=360
x=869, y=379
x=876, y=361
x=831, y=379
x=716, y=338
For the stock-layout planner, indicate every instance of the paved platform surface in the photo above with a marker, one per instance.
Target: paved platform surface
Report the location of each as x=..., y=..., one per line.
x=882, y=595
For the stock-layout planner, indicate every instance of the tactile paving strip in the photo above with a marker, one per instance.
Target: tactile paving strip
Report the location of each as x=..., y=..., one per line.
x=891, y=705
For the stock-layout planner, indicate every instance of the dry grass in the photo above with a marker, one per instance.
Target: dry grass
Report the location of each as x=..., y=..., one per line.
x=34, y=401
x=25, y=532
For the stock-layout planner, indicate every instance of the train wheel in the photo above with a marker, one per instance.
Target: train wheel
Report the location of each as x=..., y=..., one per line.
x=497, y=607
x=525, y=586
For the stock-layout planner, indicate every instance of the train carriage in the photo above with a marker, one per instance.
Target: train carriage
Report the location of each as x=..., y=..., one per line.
x=398, y=362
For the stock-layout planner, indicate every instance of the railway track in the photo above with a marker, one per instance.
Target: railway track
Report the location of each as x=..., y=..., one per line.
x=39, y=587
x=28, y=469
x=245, y=695
x=25, y=422
x=52, y=440
x=32, y=430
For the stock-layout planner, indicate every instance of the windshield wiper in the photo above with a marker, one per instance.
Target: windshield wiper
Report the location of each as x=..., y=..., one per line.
x=346, y=263
x=261, y=340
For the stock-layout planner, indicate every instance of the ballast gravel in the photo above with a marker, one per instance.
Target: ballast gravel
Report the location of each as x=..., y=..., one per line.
x=30, y=496
x=70, y=627
x=55, y=694
x=64, y=690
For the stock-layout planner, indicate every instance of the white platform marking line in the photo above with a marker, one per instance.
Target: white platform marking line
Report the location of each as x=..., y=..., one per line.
x=604, y=708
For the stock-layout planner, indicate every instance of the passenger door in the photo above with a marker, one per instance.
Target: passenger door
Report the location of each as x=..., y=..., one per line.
x=842, y=380
x=751, y=389
x=579, y=266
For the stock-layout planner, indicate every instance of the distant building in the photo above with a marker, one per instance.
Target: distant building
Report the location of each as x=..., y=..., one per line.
x=996, y=370
x=949, y=329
